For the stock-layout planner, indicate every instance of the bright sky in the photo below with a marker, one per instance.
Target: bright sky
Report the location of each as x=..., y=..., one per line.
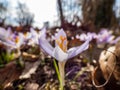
x=44, y=10
x=118, y=2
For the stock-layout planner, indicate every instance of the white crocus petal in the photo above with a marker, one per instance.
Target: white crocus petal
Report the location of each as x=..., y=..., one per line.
x=45, y=46
x=9, y=32
x=3, y=34
x=61, y=40
x=60, y=33
x=34, y=33
x=110, y=39
x=27, y=35
x=76, y=50
x=8, y=43
x=21, y=40
x=42, y=33
x=59, y=54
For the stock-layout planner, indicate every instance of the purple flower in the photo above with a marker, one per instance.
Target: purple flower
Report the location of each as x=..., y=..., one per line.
x=34, y=37
x=84, y=37
x=10, y=39
x=104, y=36
x=18, y=39
x=60, y=51
x=5, y=37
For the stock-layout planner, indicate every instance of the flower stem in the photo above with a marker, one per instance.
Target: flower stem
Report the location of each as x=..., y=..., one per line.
x=60, y=73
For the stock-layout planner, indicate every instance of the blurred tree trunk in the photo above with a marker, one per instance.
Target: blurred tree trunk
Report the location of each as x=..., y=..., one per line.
x=99, y=12
x=60, y=12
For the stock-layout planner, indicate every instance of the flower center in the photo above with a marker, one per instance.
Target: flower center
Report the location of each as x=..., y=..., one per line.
x=62, y=42
x=17, y=39
x=25, y=34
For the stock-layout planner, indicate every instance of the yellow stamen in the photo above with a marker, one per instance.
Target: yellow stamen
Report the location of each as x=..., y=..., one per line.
x=17, y=39
x=61, y=42
x=25, y=34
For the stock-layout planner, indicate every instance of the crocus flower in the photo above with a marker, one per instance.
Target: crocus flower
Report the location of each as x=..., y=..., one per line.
x=61, y=52
x=34, y=37
x=27, y=37
x=105, y=36
x=5, y=37
x=4, y=34
x=11, y=40
x=84, y=37
x=18, y=39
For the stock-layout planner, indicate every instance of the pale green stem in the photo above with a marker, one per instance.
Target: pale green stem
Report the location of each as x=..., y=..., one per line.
x=62, y=72
x=18, y=53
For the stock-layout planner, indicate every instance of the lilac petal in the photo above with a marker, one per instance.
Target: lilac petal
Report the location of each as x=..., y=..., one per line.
x=103, y=31
x=8, y=43
x=33, y=31
x=21, y=41
x=60, y=33
x=28, y=36
x=42, y=33
x=3, y=33
x=110, y=38
x=59, y=54
x=45, y=46
x=9, y=31
x=2, y=30
x=115, y=41
x=76, y=50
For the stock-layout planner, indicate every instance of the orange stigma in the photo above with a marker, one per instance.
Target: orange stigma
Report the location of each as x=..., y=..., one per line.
x=62, y=42
x=17, y=39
